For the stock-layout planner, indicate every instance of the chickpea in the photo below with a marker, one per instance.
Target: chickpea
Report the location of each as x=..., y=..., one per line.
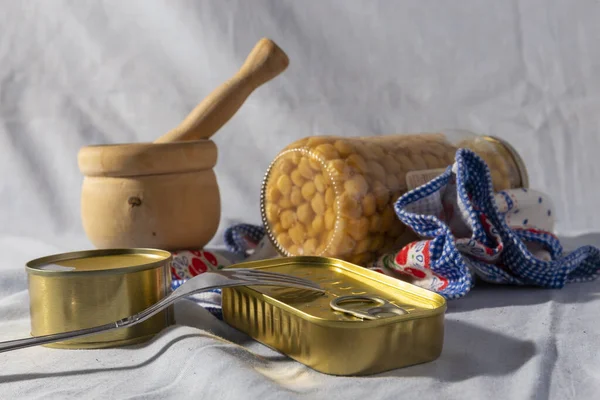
x=377, y=171
x=310, y=246
x=329, y=197
x=272, y=212
x=328, y=151
x=359, y=229
x=320, y=183
x=356, y=186
x=344, y=148
x=285, y=203
x=305, y=214
x=297, y=178
x=296, y=196
x=392, y=183
x=358, y=163
x=329, y=219
x=375, y=223
x=363, y=151
x=305, y=169
x=308, y=190
x=432, y=161
x=339, y=169
x=346, y=244
x=296, y=157
x=318, y=223
x=286, y=166
x=321, y=248
x=375, y=151
x=273, y=194
x=277, y=228
x=284, y=184
x=284, y=240
x=382, y=195
x=350, y=207
x=417, y=162
x=297, y=234
x=287, y=219
x=314, y=164
x=295, y=250
x=405, y=162
x=318, y=204
x=390, y=165
x=369, y=204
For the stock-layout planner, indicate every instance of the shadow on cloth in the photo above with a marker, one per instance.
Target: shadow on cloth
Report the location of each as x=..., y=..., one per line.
x=163, y=350
x=193, y=315
x=471, y=351
x=489, y=295
x=189, y=313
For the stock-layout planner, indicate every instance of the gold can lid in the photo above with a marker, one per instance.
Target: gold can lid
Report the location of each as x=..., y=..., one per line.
x=512, y=152
x=99, y=262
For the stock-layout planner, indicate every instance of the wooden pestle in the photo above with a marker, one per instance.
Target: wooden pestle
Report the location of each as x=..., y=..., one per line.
x=265, y=61
x=167, y=153
x=165, y=194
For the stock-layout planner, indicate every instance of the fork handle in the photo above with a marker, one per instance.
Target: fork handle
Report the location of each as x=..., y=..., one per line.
x=55, y=337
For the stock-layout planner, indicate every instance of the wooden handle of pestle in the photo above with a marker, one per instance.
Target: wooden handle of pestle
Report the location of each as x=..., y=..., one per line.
x=265, y=61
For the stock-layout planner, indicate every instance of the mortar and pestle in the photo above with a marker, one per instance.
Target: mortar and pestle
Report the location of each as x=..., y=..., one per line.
x=165, y=194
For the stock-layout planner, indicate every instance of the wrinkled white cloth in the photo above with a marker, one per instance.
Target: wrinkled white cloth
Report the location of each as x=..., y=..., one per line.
x=501, y=343
x=74, y=73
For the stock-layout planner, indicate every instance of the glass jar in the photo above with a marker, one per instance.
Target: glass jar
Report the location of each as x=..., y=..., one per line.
x=334, y=196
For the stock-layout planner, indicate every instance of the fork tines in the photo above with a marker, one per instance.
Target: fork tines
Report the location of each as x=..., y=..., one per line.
x=254, y=274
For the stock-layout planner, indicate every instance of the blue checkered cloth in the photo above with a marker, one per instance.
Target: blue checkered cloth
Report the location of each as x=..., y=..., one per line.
x=516, y=264
x=238, y=238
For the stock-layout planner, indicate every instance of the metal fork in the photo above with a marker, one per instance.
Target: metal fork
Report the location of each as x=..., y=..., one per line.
x=230, y=277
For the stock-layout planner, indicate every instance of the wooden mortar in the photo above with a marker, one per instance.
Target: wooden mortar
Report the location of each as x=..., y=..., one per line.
x=165, y=194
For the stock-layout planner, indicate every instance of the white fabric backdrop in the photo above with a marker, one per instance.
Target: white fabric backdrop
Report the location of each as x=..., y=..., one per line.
x=74, y=73
x=79, y=73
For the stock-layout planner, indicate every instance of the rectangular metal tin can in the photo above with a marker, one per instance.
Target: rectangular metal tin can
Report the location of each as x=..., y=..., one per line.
x=89, y=288
x=302, y=325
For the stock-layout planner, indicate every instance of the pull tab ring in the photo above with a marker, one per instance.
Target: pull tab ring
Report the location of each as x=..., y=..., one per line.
x=383, y=306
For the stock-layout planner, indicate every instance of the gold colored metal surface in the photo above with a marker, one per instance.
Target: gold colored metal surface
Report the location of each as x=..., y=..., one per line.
x=89, y=288
x=508, y=150
x=303, y=325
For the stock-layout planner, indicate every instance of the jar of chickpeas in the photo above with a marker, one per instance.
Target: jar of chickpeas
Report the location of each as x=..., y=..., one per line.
x=334, y=196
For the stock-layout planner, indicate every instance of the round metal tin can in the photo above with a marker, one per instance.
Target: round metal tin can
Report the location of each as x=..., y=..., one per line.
x=84, y=289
